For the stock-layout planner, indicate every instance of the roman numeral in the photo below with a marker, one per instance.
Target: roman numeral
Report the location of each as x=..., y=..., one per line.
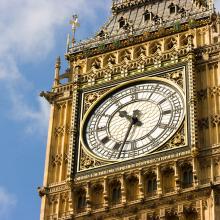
x=117, y=146
x=101, y=129
x=163, y=126
x=116, y=101
x=153, y=141
x=105, y=140
x=166, y=126
x=133, y=146
x=167, y=112
x=134, y=96
x=162, y=101
x=155, y=88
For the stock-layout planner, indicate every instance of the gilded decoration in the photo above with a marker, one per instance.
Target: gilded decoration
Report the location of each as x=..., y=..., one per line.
x=56, y=160
x=177, y=42
x=175, y=76
x=177, y=141
x=91, y=98
x=88, y=162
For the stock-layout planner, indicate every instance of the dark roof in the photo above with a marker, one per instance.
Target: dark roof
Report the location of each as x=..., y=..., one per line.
x=132, y=11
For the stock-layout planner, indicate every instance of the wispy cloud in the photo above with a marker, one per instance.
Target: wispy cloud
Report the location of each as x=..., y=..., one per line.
x=7, y=202
x=28, y=35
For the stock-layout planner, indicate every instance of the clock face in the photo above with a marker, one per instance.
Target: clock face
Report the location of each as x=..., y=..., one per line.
x=133, y=120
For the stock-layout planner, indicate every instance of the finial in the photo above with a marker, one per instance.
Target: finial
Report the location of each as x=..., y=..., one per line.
x=74, y=22
x=57, y=72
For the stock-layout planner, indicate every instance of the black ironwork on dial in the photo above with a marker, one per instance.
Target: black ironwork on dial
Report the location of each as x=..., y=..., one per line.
x=134, y=121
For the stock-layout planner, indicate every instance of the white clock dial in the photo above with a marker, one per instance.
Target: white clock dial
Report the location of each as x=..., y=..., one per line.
x=134, y=120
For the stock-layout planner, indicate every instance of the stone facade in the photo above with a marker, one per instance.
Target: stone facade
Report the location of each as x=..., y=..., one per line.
x=173, y=40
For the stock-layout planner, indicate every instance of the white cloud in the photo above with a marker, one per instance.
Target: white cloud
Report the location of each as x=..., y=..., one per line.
x=7, y=202
x=28, y=33
x=217, y=5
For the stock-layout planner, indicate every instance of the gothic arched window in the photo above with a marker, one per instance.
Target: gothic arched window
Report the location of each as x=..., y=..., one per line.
x=81, y=202
x=151, y=183
x=187, y=176
x=116, y=194
x=148, y=16
x=121, y=22
x=173, y=8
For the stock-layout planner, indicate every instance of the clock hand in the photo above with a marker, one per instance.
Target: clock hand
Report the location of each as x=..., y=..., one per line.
x=136, y=114
x=125, y=139
x=134, y=121
x=124, y=114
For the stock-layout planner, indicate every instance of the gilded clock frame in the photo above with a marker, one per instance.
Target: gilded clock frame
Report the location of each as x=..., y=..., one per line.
x=122, y=85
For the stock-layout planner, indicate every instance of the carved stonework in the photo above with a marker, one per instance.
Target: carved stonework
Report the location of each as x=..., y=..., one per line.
x=202, y=94
x=214, y=91
x=203, y=123
x=177, y=140
x=49, y=96
x=56, y=160
x=59, y=131
x=176, y=41
x=91, y=98
x=87, y=162
x=42, y=191
x=175, y=76
x=215, y=120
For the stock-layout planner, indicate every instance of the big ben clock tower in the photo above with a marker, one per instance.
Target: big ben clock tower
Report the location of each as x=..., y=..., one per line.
x=134, y=130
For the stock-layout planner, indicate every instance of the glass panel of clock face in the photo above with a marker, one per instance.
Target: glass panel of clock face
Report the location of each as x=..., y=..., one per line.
x=134, y=121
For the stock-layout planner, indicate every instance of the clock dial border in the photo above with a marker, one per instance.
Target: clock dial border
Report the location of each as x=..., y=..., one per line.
x=120, y=87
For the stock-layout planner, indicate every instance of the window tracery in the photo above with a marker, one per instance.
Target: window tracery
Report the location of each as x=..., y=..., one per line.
x=115, y=192
x=132, y=187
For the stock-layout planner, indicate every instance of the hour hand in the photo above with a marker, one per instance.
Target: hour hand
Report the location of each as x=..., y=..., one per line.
x=135, y=118
x=136, y=113
x=124, y=114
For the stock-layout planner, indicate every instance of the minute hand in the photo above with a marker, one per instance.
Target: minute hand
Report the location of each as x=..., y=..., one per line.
x=125, y=139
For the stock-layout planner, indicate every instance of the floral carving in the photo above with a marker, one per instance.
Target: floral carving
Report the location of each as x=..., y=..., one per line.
x=215, y=120
x=87, y=162
x=59, y=131
x=92, y=97
x=56, y=160
x=214, y=91
x=176, y=76
x=177, y=140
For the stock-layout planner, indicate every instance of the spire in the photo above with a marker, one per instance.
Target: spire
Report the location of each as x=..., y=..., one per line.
x=57, y=72
x=74, y=22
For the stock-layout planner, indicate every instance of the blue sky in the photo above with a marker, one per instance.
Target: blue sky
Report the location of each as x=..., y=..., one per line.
x=33, y=34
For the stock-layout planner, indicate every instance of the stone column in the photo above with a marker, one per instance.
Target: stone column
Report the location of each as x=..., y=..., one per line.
x=105, y=192
x=159, y=187
x=88, y=198
x=176, y=177
x=140, y=185
x=64, y=123
x=212, y=170
x=181, y=215
x=162, y=214
x=57, y=72
x=123, y=190
x=195, y=171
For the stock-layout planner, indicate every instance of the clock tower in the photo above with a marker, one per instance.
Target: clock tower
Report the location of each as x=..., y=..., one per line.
x=134, y=131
